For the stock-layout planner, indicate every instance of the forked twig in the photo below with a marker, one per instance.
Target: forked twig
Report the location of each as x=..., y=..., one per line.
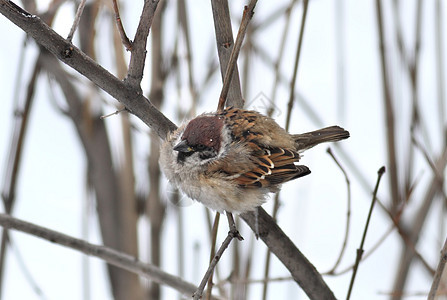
x=348, y=213
x=360, y=249
x=138, y=54
x=248, y=14
x=76, y=20
x=124, y=39
x=366, y=255
x=231, y=235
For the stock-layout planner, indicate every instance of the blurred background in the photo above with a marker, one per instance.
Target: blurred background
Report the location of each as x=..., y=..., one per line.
x=376, y=68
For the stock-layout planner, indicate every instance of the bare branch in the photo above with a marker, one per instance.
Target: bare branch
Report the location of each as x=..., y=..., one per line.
x=438, y=274
x=389, y=110
x=224, y=40
x=440, y=73
x=14, y=160
x=76, y=20
x=110, y=255
x=248, y=14
x=366, y=254
x=130, y=97
x=124, y=39
x=233, y=233
x=360, y=250
x=184, y=27
x=348, y=212
x=212, y=253
x=295, y=68
x=302, y=271
x=138, y=57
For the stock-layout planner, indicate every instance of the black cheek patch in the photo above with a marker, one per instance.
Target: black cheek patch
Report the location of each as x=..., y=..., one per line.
x=182, y=156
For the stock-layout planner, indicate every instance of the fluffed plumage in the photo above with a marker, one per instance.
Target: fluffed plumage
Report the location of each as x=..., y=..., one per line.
x=231, y=160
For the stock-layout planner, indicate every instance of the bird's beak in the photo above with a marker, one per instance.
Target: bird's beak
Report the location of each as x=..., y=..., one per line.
x=183, y=147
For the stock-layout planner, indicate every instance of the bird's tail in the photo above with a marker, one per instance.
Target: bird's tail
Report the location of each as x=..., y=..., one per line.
x=308, y=140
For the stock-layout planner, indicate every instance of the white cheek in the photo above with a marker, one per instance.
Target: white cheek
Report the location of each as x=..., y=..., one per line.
x=225, y=142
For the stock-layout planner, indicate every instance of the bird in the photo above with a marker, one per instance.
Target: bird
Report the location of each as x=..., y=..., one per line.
x=230, y=160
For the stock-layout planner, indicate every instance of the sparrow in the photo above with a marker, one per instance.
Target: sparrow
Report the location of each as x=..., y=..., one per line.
x=232, y=159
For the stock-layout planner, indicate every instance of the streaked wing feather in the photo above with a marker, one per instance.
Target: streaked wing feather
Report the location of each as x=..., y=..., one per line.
x=274, y=166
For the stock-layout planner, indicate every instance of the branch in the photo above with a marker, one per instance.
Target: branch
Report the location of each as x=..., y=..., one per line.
x=348, y=212
x=248, y=14
x=76, y=20
x=124, y=39
x=138, y=57
x=224, y=40
x=438, y=274
x=110, y=255
x=302, y=271
x=295, y=68
x=66, y=52
x=389, y=113
x=361, y=250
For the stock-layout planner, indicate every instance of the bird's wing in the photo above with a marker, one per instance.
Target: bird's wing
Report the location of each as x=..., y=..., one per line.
x=271, y=167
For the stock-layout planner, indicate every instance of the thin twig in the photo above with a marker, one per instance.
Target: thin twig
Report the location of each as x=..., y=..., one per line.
x=112, y=114
x=231, y=235
x=212, y=253
x=412, y=67
x=184, y=27
x=138, y=54
x=11, y=175
x=155, y=206
x=438, y=274
x=365, y=255
x=277, y=14
x=439, y=62
x=254, y=281
x=76, y=20
x=216, y=275
x=277, y=63
x=124, y=39
x=360, y=250
x=411, y=236
x=224, y=43
x=248, y=14
x=389, y=112
x=348, y=212
x=297, y=60
x=438, y=176
x=33, y=283
x=269, y=253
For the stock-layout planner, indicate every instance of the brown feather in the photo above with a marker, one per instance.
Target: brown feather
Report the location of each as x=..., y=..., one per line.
x=275, y=166
x=308, y=140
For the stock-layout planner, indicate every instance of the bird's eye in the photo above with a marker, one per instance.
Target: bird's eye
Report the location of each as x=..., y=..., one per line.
x=200, y=147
